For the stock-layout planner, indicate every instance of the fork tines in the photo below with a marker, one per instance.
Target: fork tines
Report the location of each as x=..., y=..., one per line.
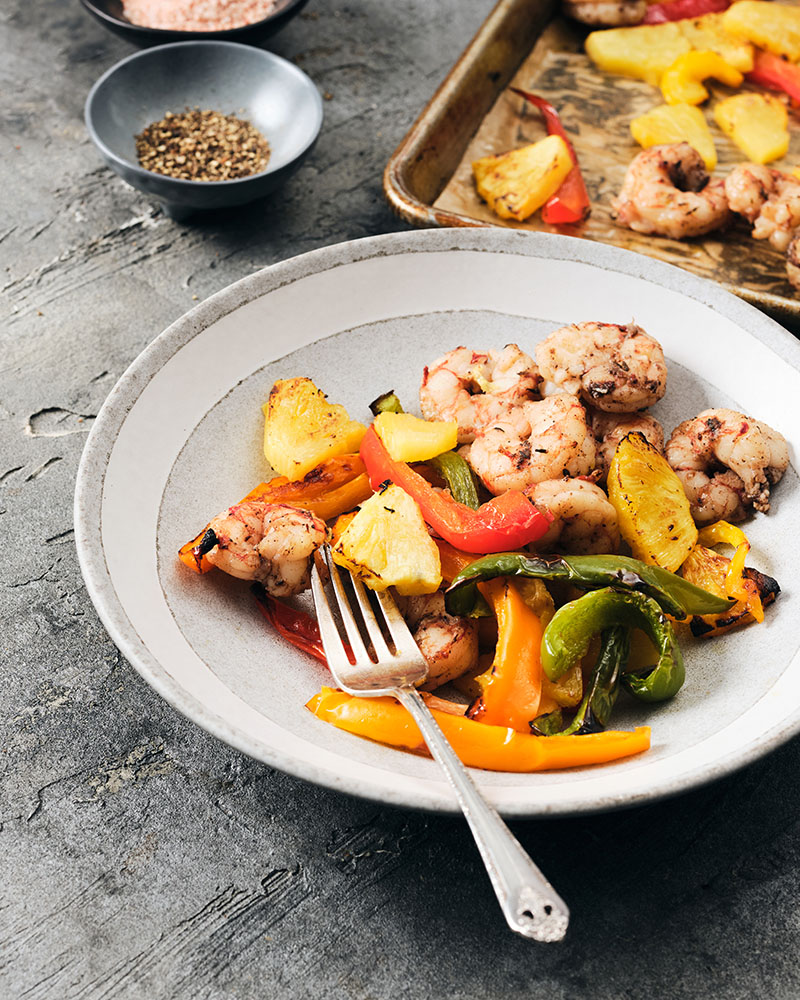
x=384, y=654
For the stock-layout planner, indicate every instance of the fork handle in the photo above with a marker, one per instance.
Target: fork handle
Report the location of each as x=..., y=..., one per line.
x=529, y=903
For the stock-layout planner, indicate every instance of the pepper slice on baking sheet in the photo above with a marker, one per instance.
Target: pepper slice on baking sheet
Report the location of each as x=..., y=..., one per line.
x=776, y=73
x=570, y=203
x=493, y=748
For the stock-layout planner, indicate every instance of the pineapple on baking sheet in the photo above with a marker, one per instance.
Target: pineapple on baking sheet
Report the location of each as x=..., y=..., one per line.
x=670, y=123
x=757, y=123
x=771, y=26
x=515, y=184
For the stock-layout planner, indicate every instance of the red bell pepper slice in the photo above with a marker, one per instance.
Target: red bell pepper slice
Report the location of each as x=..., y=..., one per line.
x=297, y=627
x=776, y=73
x=679, y=10
x=571, y=202
x=505, y=523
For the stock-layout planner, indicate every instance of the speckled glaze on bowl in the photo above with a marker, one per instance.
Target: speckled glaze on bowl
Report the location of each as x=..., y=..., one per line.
x=109, y=14
x=179, y=438
x=272, y=93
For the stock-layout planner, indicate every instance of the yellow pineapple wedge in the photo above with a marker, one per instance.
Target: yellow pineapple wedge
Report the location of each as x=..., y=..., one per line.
x=643, y=52
x=654, y=515
x=771, y=26
x=515, y=184
x=757, y=124
x=708, y=33
x=387, y=545
x=409, y=439
x=302, y=429
x=676, y=123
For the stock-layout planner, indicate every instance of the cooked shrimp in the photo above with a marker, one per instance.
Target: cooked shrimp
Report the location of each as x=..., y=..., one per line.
x=476, y=388
x=605, y=13
x=767, y=198
x=615, y=368
x=536, y=441
x=268, y=542
x=610, y=428
x=449, y=643
x=668, y=191
x=583, y=519
x=753, y=454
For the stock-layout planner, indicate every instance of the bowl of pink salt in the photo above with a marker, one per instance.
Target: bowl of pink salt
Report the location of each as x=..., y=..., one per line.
x=154, y=22
x=204, y=125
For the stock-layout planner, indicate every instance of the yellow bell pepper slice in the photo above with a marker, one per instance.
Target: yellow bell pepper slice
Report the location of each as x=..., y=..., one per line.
x=682, y=83
x=493, y=748
x=736, y=584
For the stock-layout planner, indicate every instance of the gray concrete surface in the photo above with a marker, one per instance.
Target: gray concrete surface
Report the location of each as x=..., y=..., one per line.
x=139, y=858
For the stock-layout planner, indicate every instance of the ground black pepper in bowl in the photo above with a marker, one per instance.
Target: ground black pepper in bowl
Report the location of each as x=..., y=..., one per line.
x=195, y=145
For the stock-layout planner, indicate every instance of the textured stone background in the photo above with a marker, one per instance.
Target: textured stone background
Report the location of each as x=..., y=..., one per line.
x=139, y=858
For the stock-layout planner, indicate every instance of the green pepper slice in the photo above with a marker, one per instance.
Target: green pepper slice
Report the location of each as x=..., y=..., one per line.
x=567, y=636
x=675, y=595
x=595, y=708
x=458, y=476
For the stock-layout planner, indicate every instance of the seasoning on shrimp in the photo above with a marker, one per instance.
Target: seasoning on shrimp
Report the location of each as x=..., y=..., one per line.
x=475, y=388
x=584, y=521
x=752, y=455
x=271, y=543
x=610, y=428
x=668, y=192
x=767, y=198
x=534, y=442
x=616, y=368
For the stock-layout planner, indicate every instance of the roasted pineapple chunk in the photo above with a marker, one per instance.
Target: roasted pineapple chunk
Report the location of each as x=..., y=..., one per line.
x=409, y=439
x=302, y=429
x=676, y=123
x=772, y=26
x=643, y=52
x=648, y=50
x=708, y=32
x=515, y=184
x=757, y=124
x=387, y=544
x=654, y=515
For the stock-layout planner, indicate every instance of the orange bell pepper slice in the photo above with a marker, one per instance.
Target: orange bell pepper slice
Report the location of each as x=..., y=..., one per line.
x=512, y=693
x=493, y=748
x=334, y=486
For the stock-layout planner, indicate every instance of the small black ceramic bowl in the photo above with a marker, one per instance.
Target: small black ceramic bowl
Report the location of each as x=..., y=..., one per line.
x=271, y=93
x=109, y=13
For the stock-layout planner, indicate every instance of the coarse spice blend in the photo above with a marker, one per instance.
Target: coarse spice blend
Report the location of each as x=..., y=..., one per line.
x=195, y=145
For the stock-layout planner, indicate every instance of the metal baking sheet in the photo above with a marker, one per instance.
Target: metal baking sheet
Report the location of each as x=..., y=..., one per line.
x=525, y=43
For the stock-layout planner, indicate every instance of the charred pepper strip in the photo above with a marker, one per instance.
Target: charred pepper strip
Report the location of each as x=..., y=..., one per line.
x=566, y=639
x=386, y=403
x=594, y=710
x=571, y=202
x=297, y=627
x=675, y=595
x=506, y=522
x=458, y=476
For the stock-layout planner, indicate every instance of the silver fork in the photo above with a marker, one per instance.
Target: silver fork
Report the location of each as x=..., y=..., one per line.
x=528, y=901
